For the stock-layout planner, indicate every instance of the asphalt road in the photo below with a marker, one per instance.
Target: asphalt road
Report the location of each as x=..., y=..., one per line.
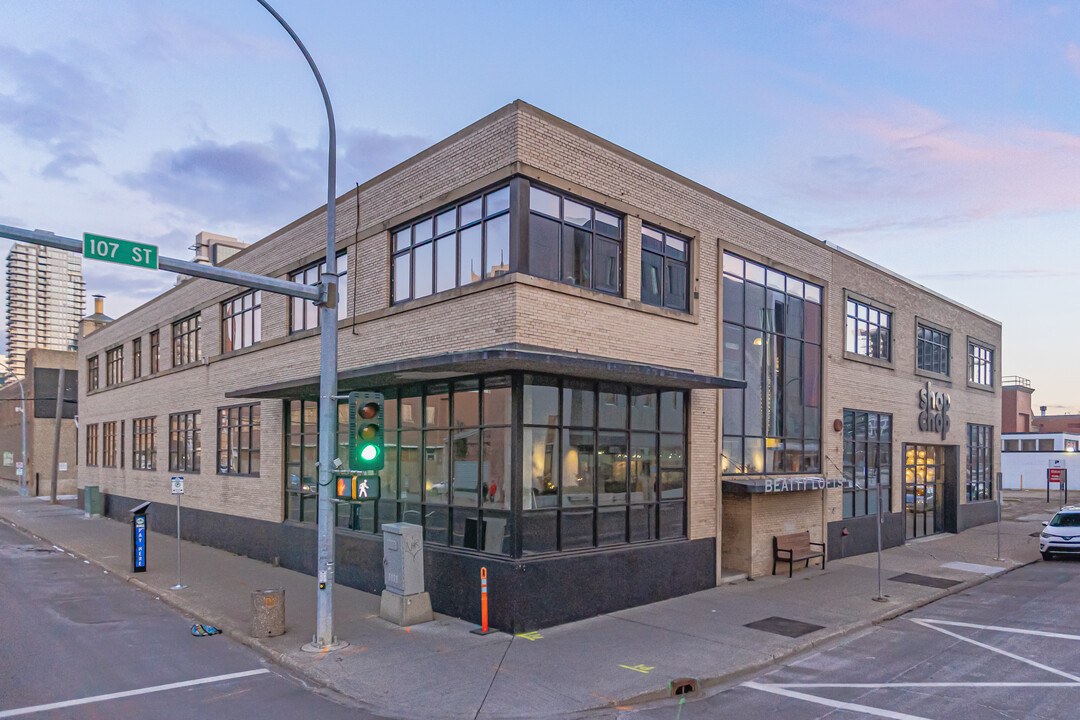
x=69, y=632
x=1009, y=648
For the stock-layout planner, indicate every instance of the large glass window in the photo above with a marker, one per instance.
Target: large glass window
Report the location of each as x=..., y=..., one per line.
x=92, y=444
x=92, y=376
x=456, y=246
x=108, y=444
x=932, y=351
x=185, y=340
x=114, y=366
x=772, y=340
x=304, y=314
x=602, y=464
x=574, y=242
x=302, y=455
x=980, y=462
x=185, y=445
x=239, y=440
x=144, y=444
x=867, y=462
x=665, y=269
x=867, y=331
x=980, y=364
x=241, y=321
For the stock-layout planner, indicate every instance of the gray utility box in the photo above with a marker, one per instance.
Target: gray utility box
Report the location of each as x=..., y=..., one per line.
x=403, y=558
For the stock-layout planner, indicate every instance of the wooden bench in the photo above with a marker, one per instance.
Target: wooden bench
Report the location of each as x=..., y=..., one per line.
x=795, y=547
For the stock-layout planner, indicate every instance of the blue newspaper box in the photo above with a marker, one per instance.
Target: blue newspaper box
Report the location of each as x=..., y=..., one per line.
x=138, y=537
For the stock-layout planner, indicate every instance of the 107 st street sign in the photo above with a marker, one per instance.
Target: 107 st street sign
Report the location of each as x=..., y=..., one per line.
x=124, y=252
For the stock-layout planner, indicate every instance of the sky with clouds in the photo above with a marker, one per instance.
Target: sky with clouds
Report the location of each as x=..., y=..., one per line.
x=938, y=138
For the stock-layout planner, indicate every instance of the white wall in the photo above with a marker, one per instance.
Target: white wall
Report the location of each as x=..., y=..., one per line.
x=1029, y=468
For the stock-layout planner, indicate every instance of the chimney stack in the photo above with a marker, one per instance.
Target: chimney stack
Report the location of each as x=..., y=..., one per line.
x=99, y=304
x=1042, y=410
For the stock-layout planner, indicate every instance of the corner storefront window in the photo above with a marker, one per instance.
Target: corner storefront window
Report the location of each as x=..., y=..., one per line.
x=980, y=463
x=867, y=462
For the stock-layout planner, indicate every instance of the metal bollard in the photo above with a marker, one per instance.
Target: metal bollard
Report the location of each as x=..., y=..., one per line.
x=267, y=613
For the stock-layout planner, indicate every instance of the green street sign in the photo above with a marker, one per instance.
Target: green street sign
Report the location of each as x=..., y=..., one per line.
x=124, y=252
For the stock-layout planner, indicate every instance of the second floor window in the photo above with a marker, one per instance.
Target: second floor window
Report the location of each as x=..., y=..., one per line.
x=456, y=246
x=665, y=269
x=108, y=444
x=185, y=341
x=92, y=444
x=867, y=331
x=155, y=351
x=114, y=366
x=144, y=444
x=241, y=321
x=238, y=440
x=304, y=314
x=136, y=358
x=980, y=364
x=92, y=378
x=932, y=353
x=573, y=242
x=185, y=445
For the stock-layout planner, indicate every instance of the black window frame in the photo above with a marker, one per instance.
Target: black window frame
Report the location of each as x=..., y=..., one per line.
x=93, y=378
x=668, y=258
x=155, y=351
x=980, y=462
x=185, y=442
x=863, y=441
x=114, y=366
x=933, y=349
x=592, y=227
x=980, y=362
x=144, y=443
x=185, y=340
x=136, y=358
x=241, y=316
x=878, y=345
x=404, y=243
x=782, y=315
x=301, y=310
x=247, y=416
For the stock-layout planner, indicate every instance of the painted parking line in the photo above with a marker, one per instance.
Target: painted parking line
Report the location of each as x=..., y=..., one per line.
x=931, y=625
x=886, y=686
x=998, y=628
x=837, y=704
x=128, y=693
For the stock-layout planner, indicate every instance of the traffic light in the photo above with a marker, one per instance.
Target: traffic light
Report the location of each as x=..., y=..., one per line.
x=366, y=431
x=354, y=486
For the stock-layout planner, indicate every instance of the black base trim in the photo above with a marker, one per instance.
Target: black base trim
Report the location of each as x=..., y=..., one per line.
x=862, y=535
x=972, y=514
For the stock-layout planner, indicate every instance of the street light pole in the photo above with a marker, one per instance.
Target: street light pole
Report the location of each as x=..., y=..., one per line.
x=328, y=336
x=23, y=489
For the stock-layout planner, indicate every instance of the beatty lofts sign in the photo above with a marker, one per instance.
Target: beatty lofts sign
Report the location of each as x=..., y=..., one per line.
x=935, y=411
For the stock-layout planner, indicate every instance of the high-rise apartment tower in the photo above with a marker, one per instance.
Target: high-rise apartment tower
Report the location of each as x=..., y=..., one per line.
x=45, y=300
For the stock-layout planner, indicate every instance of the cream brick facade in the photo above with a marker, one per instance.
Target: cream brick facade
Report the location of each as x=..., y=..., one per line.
x=520, y=140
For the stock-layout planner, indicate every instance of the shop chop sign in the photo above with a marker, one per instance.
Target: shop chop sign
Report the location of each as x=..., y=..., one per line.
x=935, y=411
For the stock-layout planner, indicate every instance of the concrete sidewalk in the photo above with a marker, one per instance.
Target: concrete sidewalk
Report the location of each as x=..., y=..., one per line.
x=620, y=660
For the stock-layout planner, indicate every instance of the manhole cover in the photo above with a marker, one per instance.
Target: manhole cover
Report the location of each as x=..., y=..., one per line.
x=784, y=626
x=925, y=580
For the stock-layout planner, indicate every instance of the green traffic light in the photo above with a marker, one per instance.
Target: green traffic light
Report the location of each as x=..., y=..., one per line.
x=369, y=452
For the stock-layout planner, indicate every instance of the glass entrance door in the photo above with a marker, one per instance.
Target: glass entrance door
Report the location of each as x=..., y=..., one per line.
x=924, y=482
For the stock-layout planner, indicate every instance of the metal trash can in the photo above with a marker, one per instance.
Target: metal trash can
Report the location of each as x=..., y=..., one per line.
x=267, y=613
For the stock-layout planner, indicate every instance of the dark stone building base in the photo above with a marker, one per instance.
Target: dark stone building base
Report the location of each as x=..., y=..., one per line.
x=970, y=514
x=523, y=595
x=862, y=535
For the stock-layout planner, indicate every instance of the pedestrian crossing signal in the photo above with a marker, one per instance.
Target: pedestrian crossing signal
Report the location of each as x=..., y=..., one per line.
x=366, y=431
x=356, y=487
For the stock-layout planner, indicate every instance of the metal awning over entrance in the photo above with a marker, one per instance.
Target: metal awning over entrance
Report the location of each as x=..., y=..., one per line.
x=501, y=358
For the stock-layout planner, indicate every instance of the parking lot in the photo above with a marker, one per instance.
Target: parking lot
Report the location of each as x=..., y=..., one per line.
x=1009, y=648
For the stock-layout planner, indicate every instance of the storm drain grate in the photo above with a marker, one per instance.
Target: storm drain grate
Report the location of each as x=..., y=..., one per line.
x=683, y=686
x=925, y=580
x=784, y=626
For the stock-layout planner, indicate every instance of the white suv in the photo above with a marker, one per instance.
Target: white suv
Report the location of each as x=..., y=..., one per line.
x=1062, y=534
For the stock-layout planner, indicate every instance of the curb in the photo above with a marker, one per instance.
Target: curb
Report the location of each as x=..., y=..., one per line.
x=655, y=696
x=646, y=698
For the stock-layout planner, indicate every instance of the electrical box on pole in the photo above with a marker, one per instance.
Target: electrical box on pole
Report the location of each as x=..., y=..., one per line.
x=366, y=431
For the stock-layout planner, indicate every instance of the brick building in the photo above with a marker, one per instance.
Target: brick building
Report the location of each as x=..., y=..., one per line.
x=607, y=384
